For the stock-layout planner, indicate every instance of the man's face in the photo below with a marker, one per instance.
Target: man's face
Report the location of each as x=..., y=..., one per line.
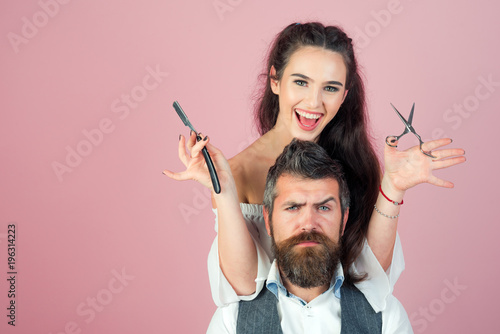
x=306, y=226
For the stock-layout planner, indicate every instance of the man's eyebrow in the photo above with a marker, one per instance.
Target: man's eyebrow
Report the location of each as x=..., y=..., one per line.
x=305, y=77
x=292, y=203
x=331, y=198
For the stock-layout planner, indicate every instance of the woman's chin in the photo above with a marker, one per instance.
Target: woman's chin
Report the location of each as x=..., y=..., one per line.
x=306, y=136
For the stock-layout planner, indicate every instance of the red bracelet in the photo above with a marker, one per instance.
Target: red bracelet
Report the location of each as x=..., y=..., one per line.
x=390, y=200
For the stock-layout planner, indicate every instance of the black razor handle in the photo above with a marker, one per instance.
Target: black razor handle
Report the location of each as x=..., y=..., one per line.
x=211, y=168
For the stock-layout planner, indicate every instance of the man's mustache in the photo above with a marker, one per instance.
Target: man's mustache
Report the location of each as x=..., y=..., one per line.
x=306, y=236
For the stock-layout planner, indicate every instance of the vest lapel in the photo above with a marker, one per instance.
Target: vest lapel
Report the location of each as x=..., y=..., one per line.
x=357, y=315
x=259, y=316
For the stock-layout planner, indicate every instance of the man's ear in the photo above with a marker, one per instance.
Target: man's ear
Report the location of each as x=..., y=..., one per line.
x=275, y=84
x=346, y=215
x=266, y=219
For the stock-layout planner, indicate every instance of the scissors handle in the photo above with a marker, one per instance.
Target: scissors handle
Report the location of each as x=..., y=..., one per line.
x=389, y=142
x=427, y=153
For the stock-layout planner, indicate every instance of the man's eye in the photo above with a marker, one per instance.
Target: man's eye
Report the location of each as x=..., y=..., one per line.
x=293, y=207
x=300, y=82
x=331, y=89
x=324, y=208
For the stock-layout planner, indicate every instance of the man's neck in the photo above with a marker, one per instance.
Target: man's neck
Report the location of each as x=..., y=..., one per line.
x=306, y=294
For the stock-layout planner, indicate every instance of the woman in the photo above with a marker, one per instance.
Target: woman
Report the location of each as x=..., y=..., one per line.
x=313, y=92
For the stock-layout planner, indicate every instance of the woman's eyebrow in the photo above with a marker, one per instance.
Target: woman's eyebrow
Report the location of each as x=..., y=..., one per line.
x=302, y=76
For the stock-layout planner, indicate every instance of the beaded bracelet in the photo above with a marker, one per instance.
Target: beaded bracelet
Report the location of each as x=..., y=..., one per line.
x=390, y=200
x=383, y=214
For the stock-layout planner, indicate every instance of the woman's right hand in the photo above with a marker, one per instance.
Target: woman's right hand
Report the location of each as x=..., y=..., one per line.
x=196, y=167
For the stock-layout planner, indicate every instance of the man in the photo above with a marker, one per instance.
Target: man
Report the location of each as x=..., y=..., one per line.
x=306, y=205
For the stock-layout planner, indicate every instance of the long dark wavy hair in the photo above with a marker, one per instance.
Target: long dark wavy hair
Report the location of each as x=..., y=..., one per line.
x=345, y=138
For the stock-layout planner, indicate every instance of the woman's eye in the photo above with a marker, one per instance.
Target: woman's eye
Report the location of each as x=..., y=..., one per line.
x=331, y=89
x=300, y=82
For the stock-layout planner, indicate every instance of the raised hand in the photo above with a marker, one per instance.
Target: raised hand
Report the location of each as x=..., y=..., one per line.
x=406, y=169
x=196, y=167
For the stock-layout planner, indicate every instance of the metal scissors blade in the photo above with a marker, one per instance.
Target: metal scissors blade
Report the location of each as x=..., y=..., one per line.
x=408, y=128
x=410, y=118
x=407, y=124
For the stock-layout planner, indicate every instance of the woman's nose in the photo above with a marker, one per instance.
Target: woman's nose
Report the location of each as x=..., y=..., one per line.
x=313, y=99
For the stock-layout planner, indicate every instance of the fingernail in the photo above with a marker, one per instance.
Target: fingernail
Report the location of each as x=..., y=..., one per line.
x=163, y=173
x=451, y=140
x=190, y=132
x=205, y=139
x=179, y=137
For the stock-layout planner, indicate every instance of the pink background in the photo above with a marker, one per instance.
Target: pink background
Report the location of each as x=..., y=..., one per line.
x=112, y=211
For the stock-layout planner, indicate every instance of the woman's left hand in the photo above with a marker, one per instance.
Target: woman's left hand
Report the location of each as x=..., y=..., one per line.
x=406, y=169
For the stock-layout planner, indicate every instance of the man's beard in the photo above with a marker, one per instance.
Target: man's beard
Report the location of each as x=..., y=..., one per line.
x=307, y=266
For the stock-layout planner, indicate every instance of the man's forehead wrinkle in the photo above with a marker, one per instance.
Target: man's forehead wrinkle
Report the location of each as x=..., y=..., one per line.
x=297, y=191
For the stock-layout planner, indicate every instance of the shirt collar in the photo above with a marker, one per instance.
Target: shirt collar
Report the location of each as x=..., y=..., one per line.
x=274, y=283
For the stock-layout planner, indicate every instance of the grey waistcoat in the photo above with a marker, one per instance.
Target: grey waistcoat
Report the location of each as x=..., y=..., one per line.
x=260, y=316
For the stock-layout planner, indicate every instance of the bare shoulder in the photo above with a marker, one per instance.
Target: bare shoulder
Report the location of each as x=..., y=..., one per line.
x=241, y=169
x=249, y=169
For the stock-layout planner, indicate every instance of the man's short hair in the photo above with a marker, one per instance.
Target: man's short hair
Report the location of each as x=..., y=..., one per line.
x=308, y=160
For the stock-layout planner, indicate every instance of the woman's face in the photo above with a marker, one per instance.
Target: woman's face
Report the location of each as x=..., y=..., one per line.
x=310, y=92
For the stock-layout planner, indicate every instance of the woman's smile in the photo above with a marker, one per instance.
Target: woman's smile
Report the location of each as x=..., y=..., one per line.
x=307, y=120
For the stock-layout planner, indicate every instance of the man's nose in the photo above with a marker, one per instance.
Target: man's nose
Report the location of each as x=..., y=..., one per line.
x=309, y=221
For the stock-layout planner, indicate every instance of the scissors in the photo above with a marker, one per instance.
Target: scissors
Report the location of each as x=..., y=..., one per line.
x=408, y=128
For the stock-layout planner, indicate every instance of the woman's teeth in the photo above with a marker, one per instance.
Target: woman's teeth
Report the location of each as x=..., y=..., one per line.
x=308, y=115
